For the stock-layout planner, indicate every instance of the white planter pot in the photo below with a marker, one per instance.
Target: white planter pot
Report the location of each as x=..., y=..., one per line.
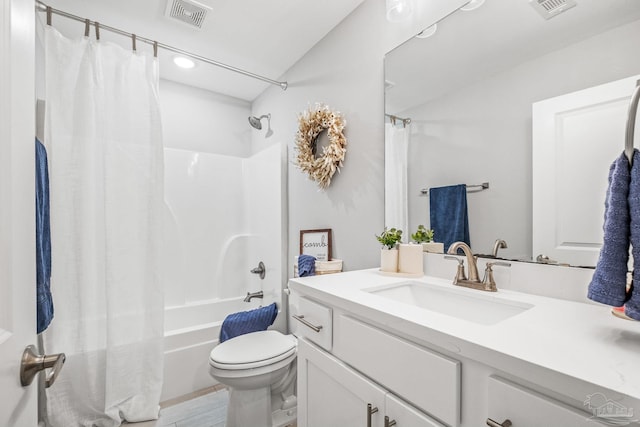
x=410, y=259
x=389, y=260
x=433, y=247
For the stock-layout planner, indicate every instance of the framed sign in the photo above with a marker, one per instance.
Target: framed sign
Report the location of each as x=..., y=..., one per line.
x=316, y=243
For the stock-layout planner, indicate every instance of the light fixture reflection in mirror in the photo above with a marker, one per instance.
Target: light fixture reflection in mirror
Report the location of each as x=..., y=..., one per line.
x=472, y=5
x=398, y=10
x=427, y=32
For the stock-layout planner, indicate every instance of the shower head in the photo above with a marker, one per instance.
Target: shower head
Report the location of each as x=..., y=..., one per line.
x=255, y=121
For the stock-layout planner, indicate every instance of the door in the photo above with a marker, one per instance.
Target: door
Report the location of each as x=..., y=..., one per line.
x=332, y=394
x=576, y=137
x=17, y=211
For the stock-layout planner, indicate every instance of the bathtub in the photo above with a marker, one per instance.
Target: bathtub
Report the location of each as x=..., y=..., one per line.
x=191, y=332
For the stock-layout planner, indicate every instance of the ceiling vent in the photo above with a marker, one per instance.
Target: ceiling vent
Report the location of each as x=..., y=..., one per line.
x=187, y=11
x=550, y=8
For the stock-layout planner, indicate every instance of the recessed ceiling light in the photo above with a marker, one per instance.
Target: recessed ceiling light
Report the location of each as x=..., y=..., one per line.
x=427, y=32
x=183, y=62
x=473, y=4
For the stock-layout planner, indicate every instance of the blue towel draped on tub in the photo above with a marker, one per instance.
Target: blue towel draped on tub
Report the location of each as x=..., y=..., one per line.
x=246, y=322
x=44, y=301
x=448, y=214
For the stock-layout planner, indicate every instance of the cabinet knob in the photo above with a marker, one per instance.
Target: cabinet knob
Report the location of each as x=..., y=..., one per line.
x=370, y=411
x=389, y=423
x=505, y=423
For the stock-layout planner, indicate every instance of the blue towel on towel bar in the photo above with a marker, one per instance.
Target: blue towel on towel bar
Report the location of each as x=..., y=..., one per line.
x=44, y=300
x=306, y=265
x=608, y=285
x=246, y=322
x=448, y=214
x=632, y=305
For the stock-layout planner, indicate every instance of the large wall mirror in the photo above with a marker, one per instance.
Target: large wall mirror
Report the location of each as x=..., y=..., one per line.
x=469, y=90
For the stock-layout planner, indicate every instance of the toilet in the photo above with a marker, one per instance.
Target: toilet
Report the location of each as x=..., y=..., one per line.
x=260, y=370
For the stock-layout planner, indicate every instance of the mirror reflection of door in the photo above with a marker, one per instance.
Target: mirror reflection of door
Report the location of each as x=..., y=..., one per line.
x=574, y=136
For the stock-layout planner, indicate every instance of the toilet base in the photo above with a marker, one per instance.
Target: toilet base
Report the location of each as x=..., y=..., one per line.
x=284, y=418
x=252, y=408
x=249, y=408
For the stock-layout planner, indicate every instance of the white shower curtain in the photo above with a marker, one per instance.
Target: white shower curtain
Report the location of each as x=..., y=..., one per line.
x=104, y=142
x=396, y=149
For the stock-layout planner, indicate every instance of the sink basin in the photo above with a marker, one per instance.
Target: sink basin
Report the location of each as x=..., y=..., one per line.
x=481, y=308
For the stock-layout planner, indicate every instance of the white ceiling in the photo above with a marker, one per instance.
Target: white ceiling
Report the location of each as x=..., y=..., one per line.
x=469, y=46
x=259, y=36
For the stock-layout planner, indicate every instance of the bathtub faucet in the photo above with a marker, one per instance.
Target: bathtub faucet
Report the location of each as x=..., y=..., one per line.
x=251, y=295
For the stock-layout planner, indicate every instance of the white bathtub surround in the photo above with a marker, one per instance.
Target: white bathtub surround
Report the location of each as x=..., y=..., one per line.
x=224, y=215
x=104, y=141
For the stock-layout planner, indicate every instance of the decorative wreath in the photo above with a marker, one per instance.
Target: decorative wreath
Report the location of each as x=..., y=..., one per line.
x=312, y=123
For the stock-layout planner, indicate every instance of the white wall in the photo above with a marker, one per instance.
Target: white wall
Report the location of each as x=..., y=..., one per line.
x=204, y=121
x=345, y=71
x=482, y=132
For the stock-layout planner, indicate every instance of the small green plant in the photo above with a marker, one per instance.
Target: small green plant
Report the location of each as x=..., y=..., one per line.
x=390, y=238
x=422, y=235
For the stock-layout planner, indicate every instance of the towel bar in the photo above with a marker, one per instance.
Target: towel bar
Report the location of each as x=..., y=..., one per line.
x=471, y=188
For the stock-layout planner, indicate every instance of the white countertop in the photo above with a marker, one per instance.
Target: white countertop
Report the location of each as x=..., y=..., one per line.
x=583, y=341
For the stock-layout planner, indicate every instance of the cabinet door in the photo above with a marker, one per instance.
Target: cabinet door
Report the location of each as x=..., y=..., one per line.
x=332, y=394
x=527, y=408
x=406, y=415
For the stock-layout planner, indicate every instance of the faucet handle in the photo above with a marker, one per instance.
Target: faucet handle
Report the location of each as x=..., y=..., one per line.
x=488, y=281
x=460, y=274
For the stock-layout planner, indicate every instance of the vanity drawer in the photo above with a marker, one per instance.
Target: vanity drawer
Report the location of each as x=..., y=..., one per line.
x=312, y=321
x=527, y=408
x=424, y=378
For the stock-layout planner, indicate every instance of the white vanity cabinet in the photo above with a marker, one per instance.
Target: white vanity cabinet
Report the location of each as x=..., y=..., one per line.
x=330, y=393
x=416, y=371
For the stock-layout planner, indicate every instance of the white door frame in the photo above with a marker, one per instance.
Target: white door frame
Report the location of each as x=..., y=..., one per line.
x=18, y=405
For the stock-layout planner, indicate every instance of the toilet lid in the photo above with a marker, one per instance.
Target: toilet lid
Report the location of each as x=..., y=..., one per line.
x=253, y=350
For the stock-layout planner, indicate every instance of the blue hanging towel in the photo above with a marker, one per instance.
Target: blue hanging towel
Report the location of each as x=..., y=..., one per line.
x=44, y=301
x=608, y=284
x=306, y=265
x=632, y=305
x=448, y=214
x=246, y=322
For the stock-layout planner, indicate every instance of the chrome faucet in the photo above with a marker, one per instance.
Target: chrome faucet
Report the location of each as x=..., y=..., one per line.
x=499, y=244
x=251, y=295
x=471, y=260
x=487, y=283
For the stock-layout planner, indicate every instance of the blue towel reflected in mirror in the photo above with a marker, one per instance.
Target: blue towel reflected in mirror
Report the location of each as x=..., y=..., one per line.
x=448, y=214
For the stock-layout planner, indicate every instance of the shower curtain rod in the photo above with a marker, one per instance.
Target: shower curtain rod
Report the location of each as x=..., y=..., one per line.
x=394, y=118
x=43, y=7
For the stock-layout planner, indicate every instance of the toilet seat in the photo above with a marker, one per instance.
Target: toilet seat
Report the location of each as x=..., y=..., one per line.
x=253, y=350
